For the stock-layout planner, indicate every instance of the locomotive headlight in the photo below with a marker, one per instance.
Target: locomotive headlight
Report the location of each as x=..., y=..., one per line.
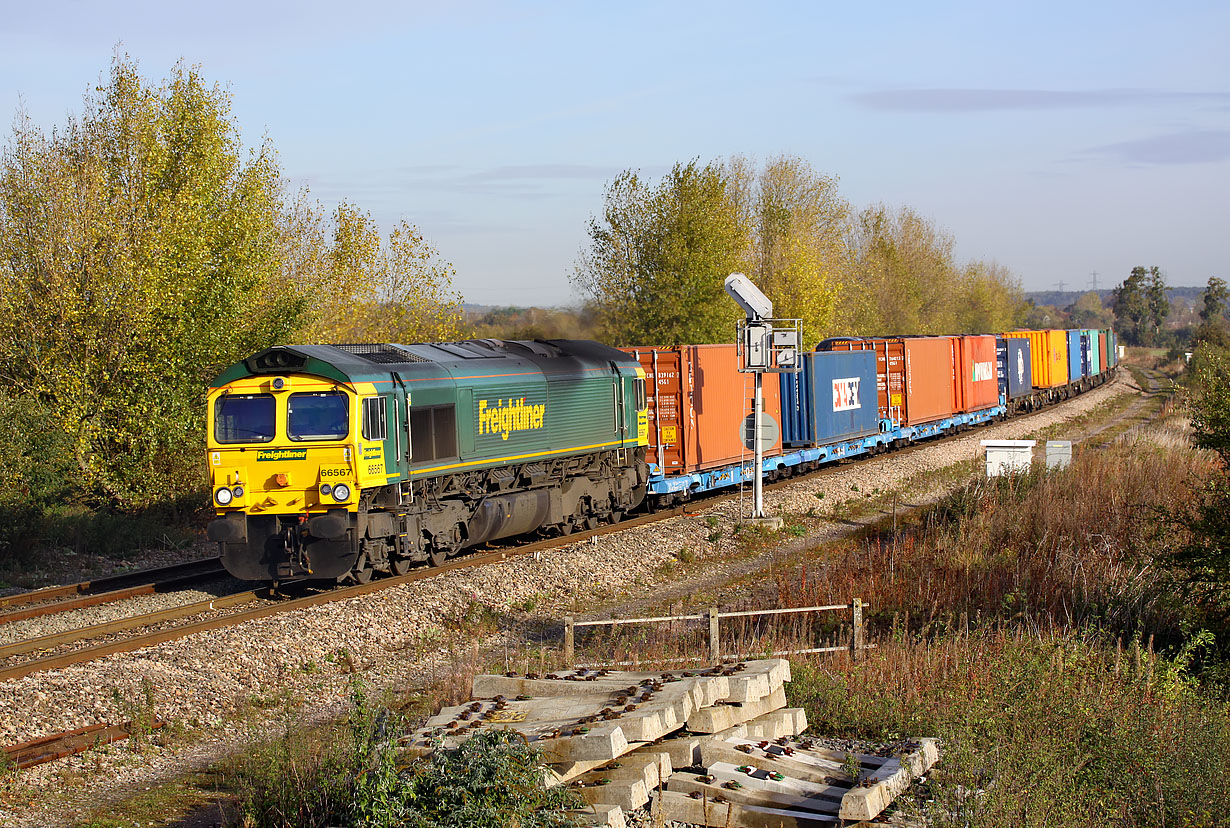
x=341, y=492
x=223, y=495
x=237, y=491
x=325, y=489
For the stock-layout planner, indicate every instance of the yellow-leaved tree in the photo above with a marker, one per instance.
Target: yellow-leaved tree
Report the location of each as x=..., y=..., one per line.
x=139, y=253
x=369, y=289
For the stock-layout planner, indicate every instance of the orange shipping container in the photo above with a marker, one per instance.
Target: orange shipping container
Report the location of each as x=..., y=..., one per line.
x=915, y=376
x=979, y=378
x=1048, y=356
x=1102, y=352
x=697, y=402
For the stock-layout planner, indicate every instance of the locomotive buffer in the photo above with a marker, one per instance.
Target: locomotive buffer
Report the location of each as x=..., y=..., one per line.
x=765, y=345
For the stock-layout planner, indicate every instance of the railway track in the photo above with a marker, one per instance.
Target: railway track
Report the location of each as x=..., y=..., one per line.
x=51, y=652
x=51, y=600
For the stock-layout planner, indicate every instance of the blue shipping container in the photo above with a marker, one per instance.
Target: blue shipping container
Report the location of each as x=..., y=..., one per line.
x=1019, y=373
x=832, y=400
x=1001, y=365
x=1075, y=371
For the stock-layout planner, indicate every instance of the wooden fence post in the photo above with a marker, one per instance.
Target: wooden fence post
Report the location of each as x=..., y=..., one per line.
x=715, y=650
x=856, y=633
x=569, y=641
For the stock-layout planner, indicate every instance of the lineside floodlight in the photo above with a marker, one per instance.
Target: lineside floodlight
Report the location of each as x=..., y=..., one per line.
x=749, y=297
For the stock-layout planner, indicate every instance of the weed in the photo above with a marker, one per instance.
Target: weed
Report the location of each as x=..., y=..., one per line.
x=138, y=711
x=687, y=556
x=712, y=521
x=851, y=767
x=798, y=530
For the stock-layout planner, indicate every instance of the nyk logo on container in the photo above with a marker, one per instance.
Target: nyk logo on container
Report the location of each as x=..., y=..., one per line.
x=984, y=371
x=845, y=394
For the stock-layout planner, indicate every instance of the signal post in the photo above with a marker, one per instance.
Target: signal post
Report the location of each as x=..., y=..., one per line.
x=765, y=345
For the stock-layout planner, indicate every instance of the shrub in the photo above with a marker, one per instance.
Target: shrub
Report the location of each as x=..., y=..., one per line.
x=36, y=464
x=346, y=774
x=1037, y=730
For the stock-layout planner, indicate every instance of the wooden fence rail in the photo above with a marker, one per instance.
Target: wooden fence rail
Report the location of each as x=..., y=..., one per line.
x=855, y=608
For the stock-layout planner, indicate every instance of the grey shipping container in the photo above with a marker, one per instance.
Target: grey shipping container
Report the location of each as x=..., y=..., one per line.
x=1015, y=377
x=831, y=400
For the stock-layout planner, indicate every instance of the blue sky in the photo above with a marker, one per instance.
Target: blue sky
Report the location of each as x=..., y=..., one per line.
x=1055, y=138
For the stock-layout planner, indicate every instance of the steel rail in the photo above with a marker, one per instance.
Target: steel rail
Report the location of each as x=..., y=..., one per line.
x=47, y=642
x=94, y=599
x=108, y=583
x=59, y=745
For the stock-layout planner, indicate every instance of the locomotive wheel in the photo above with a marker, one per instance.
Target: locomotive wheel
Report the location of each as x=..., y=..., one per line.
x=617, y=516
x=436, y=557
x=399, y=565
x=362, y=571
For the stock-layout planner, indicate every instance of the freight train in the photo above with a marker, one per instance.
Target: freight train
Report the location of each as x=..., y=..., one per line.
x=334, y=462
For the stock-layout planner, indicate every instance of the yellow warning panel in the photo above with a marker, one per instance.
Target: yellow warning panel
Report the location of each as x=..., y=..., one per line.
x=670, y=434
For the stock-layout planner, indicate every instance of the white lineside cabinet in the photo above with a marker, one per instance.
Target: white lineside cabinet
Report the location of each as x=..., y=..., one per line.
x=1008, y=456
x=1058, y=454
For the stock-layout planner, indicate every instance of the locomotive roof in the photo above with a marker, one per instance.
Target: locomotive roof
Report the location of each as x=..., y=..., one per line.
x=364, y=361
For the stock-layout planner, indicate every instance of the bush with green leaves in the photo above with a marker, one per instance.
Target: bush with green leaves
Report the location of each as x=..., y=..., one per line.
x=347, y=774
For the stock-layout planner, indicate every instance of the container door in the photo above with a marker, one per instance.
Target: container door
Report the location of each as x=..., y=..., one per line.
x=664, y=379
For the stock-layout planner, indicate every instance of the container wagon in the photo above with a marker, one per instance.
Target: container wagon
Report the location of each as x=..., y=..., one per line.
x=697, y=400
x=830, y=405
x=1097, y=363
x=1048, y=360
x=918, y=383
x=1078, y=357
x=1014, y=373
x=977, y=375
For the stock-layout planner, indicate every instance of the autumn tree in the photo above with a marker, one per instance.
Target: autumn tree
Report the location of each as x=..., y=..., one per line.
x=1088, y=312
x=1131, y=307
x=1213, y=328
x=373, y=289
x=139, y=253
x=797, y=253
x=658, y=255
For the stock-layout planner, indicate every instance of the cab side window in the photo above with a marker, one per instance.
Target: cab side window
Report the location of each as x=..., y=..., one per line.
x=375, y=422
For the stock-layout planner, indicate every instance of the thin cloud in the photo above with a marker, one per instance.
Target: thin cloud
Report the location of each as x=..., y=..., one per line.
x=1198, y=146
x=990, y=100
x=534, y=172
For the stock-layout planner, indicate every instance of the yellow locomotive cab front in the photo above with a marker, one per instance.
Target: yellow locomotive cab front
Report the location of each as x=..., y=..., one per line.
x=284, y=455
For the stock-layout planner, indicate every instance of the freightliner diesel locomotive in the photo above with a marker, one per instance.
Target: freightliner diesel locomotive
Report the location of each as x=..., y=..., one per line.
x=335, y=461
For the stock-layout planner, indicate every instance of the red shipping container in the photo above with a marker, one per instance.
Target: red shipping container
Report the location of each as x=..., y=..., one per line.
x=978, y=373
x=697, y=402
x=915, y=376
x=1102, y=352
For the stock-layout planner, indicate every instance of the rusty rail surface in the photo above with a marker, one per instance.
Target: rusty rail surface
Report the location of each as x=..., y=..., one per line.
x=109, y=583
x=94, y=599
x=57, y=746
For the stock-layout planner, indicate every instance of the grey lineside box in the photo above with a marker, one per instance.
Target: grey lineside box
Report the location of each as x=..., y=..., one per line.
x=1008, y=456
x=1058, y=454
